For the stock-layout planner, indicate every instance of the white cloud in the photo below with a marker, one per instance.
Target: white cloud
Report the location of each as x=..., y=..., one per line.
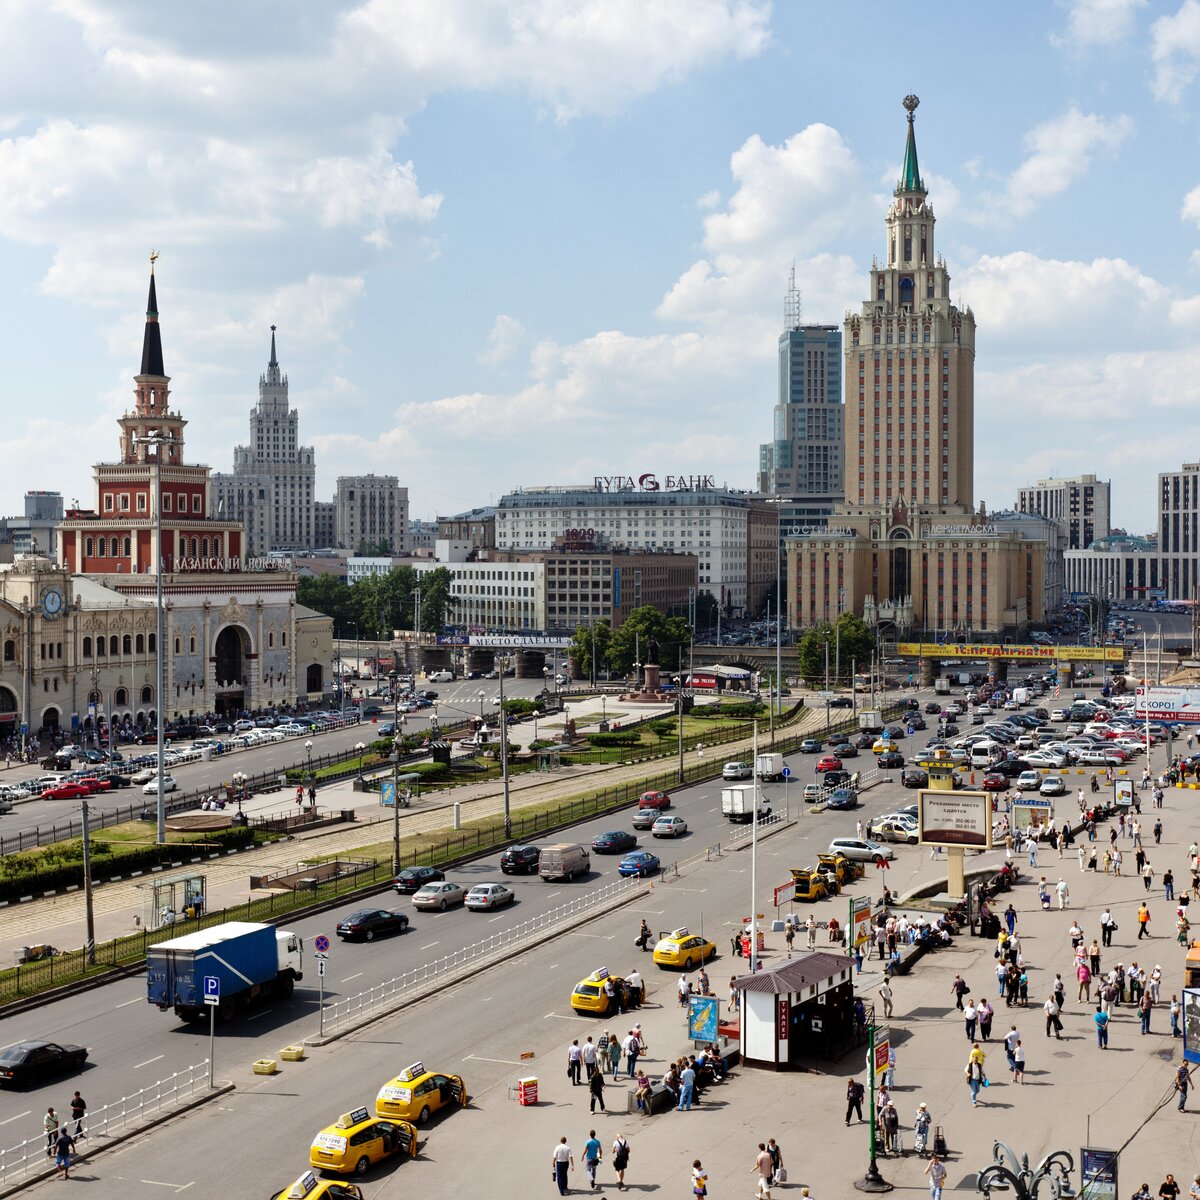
x=505, y=339
x=1175, y=49
x=1059, y=151
x=1098, y=23
x=1021, y=300
x=1191, y=206
x=369, y=191
x=581, y=56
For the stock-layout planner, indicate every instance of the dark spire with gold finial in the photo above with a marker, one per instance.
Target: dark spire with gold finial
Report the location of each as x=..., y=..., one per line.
x=152, y=355
x=910, y=176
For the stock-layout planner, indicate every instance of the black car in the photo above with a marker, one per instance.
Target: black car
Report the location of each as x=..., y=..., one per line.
x=369, y=923
x=914, y=720
x=223, y=727
x=412, y=879
x=835, y=779
x=865, y=741
x=841, y=702
x=890, y=759
x=895, y=732
x=844, y=750
x=520, y=860
x=838, y=739
x=115, y=780
x=616, y=841
x=914, y=777
x=933, y=708
x=28, y=1062
x=843, y=797
x=1010, y=768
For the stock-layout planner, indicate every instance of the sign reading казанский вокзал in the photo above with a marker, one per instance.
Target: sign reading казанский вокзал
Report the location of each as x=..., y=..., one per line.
x=954, y=819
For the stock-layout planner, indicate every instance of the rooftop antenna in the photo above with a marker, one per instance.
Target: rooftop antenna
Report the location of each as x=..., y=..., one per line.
x=793, y=309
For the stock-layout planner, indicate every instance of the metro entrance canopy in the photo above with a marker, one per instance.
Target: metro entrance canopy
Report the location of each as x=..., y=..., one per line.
x=984, y=650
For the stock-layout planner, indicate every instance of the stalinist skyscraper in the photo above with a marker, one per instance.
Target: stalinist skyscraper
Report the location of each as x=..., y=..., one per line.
x=908, y=547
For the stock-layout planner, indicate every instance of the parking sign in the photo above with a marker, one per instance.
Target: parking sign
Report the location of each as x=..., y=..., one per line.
x=212, y=989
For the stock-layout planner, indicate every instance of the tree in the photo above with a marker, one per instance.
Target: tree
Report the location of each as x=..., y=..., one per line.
x=632, y=640
x=437, y=603
x=328, y=595
x=580, y=649
x=851, y=640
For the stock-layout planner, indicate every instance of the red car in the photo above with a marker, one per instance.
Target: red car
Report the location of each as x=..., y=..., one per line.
x=94, y=785
x=829, y=763
x=994, y=782
x=65, y=791
x=656, y=800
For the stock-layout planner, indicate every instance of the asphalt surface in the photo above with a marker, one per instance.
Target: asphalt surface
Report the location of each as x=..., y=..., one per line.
x=479, y=1029
x=456, y=702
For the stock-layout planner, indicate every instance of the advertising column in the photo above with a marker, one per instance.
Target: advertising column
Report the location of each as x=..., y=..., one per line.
x=956, y=821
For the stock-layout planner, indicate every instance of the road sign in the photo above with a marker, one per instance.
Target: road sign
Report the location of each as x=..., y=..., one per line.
x=825, y=695
x=321, y=955
x=321, y=968
x=787, y=772
x=212, y=989
x=321, y=942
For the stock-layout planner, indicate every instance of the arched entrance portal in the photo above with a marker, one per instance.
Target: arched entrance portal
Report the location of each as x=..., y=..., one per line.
x=314, y=680
x=50, y=719
x=9, y=726
x=231, y=666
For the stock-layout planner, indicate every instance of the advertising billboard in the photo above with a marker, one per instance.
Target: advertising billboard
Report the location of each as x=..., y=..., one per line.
x=954, y=819
x=860, y=921
x=1168, y=704
x=521, y=641
x=1191, y=1024
x=991, y=650
x=1037, y=811
x=1098, y=1169
x=1123, y=792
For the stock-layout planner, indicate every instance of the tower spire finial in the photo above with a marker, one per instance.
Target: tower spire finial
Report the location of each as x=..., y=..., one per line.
x=273, y=362
x=152, y=356
x=910, y=176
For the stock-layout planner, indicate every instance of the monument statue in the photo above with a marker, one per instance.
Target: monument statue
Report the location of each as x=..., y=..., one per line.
x=652, y=650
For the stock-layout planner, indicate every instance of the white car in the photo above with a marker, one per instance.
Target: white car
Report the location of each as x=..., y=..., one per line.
x=1059, y=714
x=1029, y=781
x=243, y=726
x=1045, y=758
x=291, y=730
x=1100, y=758
x=737, y=770
x=143, y=775
x=489, y=895
x=1131, y=744
x=151, y=789
x=861, y=849
x=1053, y=785
x=669, y=825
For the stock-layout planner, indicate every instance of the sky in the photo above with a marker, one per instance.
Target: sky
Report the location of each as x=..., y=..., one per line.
x=521, y=242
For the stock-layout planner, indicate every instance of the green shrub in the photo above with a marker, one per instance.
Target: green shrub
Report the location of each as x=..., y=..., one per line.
x=615, y=739
x=663, y=729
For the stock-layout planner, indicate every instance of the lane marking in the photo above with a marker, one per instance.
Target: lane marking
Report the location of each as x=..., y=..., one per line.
x=17, y=1117
x=178, y=1187
x=135, y=1000
x=564, y=1017
x=148, y=1061
x=507, y=1062
x=261, y=1013
x=499, y=918
x=551, y=895
x=350, y=977
x=430, y=946
x=604, y=937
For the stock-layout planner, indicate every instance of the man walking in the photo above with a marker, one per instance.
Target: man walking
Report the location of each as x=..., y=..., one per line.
x=632, y=1047
x=854, y=1098
x=562, y=1160
x=765, y=1168
x=811, y=926
x=589, y=1057
x=885, y=994
x=64, y=1147
x=687, y=1080
x=1182, y=1083
x=574, y=1062
x=1143, y=922
x=1106, y=927
x=970, y=1014
x=960, y=989
x=1101, y=1020
x=1064, y=894
x=592, y=1153
x=50, y=1127
x=937, y=1176
x=596, y=1087
x=1053, y=1020
x=1011, y=1038
x=78, y=1108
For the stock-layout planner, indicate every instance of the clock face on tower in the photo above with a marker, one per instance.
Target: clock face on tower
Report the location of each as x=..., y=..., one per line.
x=52, y=602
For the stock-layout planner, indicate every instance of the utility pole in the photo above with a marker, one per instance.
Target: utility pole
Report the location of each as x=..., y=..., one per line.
x=504, y=759
x=87, y=887
x=679, y=709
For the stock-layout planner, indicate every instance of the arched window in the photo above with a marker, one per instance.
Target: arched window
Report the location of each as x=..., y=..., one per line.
x=127, y=645
x=270, y=637
x=147, y=695
x=102, y=547
x=113, y=643
x=283, y=637
x=88, y=550
x=140, y=644
x=191, y=645
x=204, y=548
x=10, y=650
x=87, y=648
x=100, y=647
x=116, y=548
x=178, y=645
x=151, y=639
x=128, y=547
x=121, y=697
x=195, y=545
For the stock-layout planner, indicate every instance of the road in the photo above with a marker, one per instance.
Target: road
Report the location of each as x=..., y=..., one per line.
x=456, y=702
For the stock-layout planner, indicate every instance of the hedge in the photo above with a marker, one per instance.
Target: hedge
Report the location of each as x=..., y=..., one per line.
x=31, y=873
x=741, y=710
x=615, y=739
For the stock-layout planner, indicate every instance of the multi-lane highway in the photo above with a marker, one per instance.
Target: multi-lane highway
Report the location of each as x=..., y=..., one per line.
x=479, y=1028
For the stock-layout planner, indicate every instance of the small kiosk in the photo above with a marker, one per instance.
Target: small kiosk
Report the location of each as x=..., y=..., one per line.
x=797, y=1011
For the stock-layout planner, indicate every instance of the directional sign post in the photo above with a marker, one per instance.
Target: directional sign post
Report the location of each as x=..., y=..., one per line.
x=787, y=774
x=212, y=997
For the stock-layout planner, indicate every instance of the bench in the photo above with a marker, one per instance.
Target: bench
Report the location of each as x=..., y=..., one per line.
x=660, y=1100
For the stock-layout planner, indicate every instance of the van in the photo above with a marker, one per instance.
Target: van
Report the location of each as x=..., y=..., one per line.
x=440, y=677
x=564, y=860
x=981, y=753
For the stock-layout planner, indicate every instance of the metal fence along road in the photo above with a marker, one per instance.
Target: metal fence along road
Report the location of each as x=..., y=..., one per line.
x=345, y=1014
x=122, y=1116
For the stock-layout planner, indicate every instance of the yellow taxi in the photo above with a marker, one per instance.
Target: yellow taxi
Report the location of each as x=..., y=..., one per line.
x=309, y=1187
x=357, y=1140
x=415, y=1094
x=682, y=949
x=882, y=745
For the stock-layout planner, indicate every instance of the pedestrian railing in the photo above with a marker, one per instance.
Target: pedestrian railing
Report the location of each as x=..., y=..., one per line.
x=746, y=832
x=345, y=1014
x=131, y=1112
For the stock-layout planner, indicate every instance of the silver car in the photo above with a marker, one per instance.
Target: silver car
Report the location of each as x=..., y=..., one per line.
x=489, y=895
x=440, y=895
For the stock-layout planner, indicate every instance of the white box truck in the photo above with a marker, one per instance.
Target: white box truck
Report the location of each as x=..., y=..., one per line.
x=1021, y=695
x=870, y=720
x=769, y=766
x=737, y=803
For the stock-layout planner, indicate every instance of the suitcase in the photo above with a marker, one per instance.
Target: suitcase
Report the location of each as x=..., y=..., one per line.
x=939, y=1142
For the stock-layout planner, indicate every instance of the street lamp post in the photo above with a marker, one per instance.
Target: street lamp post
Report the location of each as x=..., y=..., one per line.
x=359, y=748
x=308, y=751
x=504, y=761
x=159, y=440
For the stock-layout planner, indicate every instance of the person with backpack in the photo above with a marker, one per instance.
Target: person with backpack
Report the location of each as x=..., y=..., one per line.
x=620, y=1159
x=854, y=1099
